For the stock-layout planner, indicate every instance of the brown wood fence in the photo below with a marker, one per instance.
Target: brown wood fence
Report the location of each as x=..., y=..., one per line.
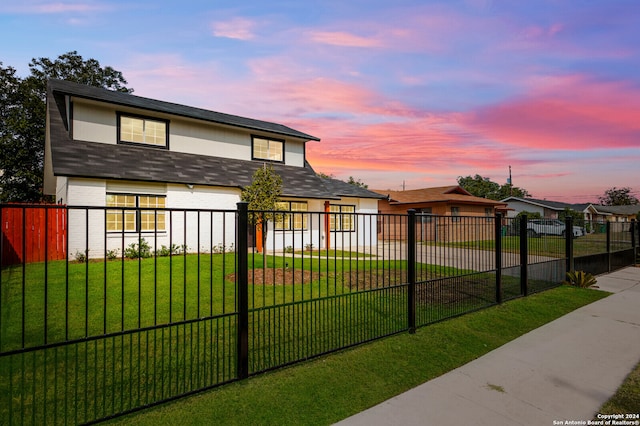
x=27, y=231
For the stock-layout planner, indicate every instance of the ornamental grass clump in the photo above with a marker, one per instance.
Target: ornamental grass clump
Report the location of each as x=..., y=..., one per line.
x=580, y=279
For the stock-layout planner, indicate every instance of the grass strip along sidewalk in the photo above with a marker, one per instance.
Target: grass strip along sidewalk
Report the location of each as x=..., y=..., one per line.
x=333, y=387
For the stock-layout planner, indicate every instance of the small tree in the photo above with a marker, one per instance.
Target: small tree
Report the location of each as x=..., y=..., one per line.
x=618, y=197
x=263, y=195
x=578, y=217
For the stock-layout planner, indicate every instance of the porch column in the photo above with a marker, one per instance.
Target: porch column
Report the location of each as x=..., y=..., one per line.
x=327, y=224
x=258, y=231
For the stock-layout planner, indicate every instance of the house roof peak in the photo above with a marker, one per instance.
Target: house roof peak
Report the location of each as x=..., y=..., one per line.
x=63, y=87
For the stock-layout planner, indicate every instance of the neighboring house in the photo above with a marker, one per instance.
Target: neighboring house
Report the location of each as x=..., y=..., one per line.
x=552, y=209
x=597, y=213
x=547, y=209
x=450, y=203
x=106, y=148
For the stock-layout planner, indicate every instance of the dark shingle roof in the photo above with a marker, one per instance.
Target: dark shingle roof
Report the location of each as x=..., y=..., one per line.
x=553, y=205
x=345, y=189
x=620, y=210
x=74, y=158
x=61, y=87
x=124, y=162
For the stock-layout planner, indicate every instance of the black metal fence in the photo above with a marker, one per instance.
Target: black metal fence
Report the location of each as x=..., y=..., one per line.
x=154, y=304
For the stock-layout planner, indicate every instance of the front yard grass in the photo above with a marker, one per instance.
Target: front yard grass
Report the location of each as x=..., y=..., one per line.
x=548, y=245
x=333, y=387
x=63, y=301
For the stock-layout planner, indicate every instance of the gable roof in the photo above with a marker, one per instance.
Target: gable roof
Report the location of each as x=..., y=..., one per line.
x=619, y=210
x=65, y=156
x=454, y=193
x=552, y=205
x=60, y=88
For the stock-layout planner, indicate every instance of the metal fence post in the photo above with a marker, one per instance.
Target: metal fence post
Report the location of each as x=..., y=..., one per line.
x=411, y=269
x=498, y=236
x=568, y=233
x=242, y=264
x=633, y=240
x=608, y=231
x=524, y=256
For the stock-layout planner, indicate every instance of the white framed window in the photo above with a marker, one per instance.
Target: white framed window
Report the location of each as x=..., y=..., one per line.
x=291, y=221
x=143, y=130
x=342, y=218
x=135, y=220
x=267, y=149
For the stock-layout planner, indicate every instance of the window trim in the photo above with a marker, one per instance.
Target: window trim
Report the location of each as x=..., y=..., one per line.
x=342, y=216
x=288, y=217
x=455, y=214
x=121, y=114
x=268, y=139
x=122, y=211
x=489, y=213
x=426, y=215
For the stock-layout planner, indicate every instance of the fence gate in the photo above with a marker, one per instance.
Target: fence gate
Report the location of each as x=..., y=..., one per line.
x=33, y=234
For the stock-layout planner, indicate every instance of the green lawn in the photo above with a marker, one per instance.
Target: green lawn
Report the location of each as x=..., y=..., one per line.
x=549, y=246
x=77, y=300
x=334, y=387
x=113, y=366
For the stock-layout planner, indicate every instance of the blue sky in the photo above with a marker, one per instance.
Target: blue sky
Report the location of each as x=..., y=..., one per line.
x=404, y=92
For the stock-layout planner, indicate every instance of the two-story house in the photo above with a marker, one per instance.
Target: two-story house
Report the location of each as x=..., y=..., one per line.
x=106, y=148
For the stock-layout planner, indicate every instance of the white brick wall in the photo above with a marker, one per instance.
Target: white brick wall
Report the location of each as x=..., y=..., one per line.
x=200, y=218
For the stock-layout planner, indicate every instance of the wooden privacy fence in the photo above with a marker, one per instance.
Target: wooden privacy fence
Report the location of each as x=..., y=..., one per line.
x=33, y=234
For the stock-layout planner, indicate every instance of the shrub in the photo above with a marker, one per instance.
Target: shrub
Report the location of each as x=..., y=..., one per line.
x=173, y=250
x=221, y=248
x=112, y=254
x=81, y=256
x=139, y=250
x=580, y=279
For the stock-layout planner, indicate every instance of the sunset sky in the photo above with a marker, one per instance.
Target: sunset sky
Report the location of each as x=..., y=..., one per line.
x=403, y=92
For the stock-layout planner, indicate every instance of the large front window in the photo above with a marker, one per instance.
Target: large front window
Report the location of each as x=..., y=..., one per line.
x=123, y=219
x=291, y=221
x=268, y=149
x=142, y=130
x=342, y=218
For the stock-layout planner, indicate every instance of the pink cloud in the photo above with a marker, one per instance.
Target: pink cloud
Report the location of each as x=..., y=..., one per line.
x=340, y=38
x=567, y=113
x=236, y=28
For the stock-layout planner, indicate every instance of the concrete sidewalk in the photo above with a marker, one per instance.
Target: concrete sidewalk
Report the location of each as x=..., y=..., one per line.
x=564, y=370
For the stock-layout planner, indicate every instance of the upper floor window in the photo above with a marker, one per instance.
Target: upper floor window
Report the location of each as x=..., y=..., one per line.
x=267, y=149
x=142, y=130
x=343, y=218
